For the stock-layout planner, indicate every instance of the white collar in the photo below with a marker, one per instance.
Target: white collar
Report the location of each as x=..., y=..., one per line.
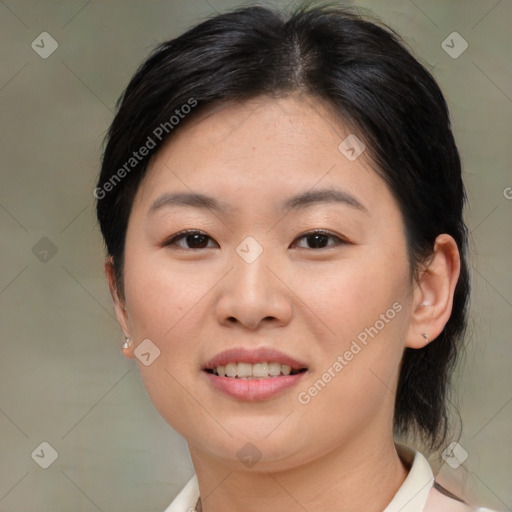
x=413, y=493
x=187, y=498
x=411, y=497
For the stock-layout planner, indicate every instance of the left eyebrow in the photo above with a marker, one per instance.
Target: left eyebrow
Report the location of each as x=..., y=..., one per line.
x=326, y=195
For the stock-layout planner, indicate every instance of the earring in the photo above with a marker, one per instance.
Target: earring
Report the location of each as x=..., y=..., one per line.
x=126, y=343
x=426, y=338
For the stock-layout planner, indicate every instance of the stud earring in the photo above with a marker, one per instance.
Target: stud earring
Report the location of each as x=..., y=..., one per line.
x=126, y=343
x=426, y=338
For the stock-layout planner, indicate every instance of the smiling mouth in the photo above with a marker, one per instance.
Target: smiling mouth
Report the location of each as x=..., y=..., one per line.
x=263, y=370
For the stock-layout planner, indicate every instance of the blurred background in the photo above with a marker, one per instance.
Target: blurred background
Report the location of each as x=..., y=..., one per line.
x=63, y=381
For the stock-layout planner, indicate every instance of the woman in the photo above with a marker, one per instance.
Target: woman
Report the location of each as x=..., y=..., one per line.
x=281, y=202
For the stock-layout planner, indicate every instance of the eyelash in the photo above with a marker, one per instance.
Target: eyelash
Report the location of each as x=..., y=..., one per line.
x=183, y=234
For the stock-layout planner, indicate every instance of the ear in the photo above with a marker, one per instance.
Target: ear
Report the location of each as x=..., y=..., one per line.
x=433, y=295
x=119, y=304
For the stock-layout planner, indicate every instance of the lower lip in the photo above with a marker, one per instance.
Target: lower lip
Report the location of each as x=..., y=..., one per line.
x=254, y=389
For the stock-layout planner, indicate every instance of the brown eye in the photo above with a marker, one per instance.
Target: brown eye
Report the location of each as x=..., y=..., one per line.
x=320, y=240
x=192, y=239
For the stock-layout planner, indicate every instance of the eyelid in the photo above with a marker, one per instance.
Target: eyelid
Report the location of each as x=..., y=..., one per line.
x=340, y=239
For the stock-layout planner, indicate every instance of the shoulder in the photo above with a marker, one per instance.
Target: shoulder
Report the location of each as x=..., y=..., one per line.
x=420, y=490
x=442, y=500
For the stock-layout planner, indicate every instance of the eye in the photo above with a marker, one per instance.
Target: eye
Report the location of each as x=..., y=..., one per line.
x=318, y=239
x=193, y=238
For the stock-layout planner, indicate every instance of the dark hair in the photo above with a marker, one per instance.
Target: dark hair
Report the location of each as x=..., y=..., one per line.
x=375, y=86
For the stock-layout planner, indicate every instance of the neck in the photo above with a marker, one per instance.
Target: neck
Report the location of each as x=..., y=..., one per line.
x=364, y=475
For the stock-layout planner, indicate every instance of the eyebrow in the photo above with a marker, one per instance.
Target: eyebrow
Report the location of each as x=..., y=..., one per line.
x=192, y=199
x=300, y=201
x=327, y=195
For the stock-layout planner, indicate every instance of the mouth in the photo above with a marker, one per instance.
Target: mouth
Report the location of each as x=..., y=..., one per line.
x=261, y=370
x=252, y=375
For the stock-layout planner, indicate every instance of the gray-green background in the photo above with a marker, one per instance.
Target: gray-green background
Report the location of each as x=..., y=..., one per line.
x=62, y=378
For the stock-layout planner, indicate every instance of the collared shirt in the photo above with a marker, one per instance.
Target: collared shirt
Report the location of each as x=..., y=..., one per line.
x=418, y=493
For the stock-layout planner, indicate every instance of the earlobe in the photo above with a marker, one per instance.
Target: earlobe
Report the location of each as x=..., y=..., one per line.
x=127, y=348
x=433, y=295
x=119, y=307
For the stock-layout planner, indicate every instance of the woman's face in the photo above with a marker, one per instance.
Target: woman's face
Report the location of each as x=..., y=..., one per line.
x=255, y=278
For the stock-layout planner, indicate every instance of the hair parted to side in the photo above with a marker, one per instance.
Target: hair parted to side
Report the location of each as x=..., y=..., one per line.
x=374, y=85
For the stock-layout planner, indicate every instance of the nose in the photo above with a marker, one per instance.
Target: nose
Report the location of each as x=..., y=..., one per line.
x=254, y=294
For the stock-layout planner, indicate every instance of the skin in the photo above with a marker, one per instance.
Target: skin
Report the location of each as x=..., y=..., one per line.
x=308, y=302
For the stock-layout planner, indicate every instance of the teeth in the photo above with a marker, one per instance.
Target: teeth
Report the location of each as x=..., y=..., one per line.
x=244, y=370
x=231, y=369
x=259, y=370
x=274, y=369
x=247, y=370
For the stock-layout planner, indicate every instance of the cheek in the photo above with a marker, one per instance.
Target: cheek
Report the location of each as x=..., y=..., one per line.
x=165, y=307
x=357, y=366
x=366, y=312
x=161, y=298
x=357, y=294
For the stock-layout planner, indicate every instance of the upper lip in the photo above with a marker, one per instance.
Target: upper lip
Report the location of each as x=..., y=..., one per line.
x=253, y=356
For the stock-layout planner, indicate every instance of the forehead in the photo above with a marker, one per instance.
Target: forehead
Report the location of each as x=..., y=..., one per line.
x=273, y=147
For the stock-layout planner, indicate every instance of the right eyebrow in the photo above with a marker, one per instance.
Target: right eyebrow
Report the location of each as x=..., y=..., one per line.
x=191, y=199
